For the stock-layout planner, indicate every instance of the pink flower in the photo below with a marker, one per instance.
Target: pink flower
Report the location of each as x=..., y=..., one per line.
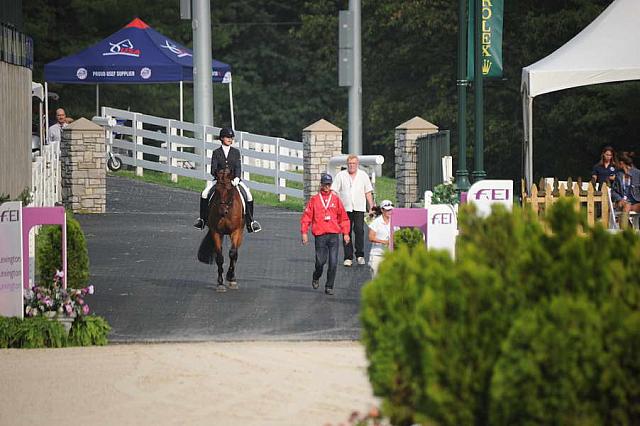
x=85, y=309
x=90, y=289
x=59, y=274
x=68, y=308
x=79, y=301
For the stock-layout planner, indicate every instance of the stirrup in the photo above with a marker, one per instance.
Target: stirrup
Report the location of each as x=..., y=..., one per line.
x=199, y=224
x=255, y=226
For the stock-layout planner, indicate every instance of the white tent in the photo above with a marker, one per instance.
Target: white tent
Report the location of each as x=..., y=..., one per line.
x=607, y=50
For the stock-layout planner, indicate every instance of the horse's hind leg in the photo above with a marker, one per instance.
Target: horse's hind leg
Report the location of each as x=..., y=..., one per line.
x=217, y=240
x=236, y=240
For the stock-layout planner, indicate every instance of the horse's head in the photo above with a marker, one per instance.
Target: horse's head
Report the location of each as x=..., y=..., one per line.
x=223, y=195
x=224, y=177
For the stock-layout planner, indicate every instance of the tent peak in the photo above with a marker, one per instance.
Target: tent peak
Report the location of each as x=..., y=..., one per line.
x=137, y=23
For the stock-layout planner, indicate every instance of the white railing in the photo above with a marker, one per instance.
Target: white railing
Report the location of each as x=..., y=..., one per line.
x=184, y=149
x=46, y=177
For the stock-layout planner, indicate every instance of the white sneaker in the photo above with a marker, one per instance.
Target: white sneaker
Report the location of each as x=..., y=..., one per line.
x=361, y=261
x=348, y=262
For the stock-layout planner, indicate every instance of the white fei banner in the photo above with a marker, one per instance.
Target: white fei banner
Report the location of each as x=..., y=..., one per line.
x=11, y=292
x=487, y=192
x=442, y=227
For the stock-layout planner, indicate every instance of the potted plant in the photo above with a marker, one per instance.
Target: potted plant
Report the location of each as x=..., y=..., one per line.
x=54, y=302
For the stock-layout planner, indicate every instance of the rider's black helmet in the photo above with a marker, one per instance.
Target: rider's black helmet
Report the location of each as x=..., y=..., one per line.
x=226, y=132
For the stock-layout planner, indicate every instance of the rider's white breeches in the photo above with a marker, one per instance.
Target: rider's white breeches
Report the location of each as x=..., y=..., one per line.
x=213, y=182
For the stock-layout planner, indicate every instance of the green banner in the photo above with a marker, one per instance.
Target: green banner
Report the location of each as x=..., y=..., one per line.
x=491, y=30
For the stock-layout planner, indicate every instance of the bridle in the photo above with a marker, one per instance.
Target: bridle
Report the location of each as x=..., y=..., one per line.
x=223, y=180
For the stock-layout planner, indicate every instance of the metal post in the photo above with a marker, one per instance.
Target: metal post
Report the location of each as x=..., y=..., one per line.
x=478, y=149
x=355, y=90
x=202, y=87
x=462, y=175
x=233, y=120
x=97, y=99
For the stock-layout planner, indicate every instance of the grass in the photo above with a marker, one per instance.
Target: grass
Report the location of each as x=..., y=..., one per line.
x=385, y=187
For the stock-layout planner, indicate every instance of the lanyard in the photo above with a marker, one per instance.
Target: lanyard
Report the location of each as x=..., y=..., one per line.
x=326, y=206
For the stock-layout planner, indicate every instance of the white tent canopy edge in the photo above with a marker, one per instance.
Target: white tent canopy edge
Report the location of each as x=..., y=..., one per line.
x=607, y=50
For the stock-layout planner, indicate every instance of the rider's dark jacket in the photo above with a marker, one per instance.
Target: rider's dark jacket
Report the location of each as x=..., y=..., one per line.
x=219, y=162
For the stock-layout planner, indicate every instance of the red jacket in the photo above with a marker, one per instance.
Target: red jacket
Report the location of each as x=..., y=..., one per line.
x=315, y=213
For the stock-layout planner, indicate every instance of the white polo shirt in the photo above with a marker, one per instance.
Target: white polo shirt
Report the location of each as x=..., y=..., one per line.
x=55, y=132
x=352, y=191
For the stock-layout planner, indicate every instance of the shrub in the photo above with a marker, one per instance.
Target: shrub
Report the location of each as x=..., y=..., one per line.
x=526, y=326
x=40, y=332
x=49, y=253
x=409, y=237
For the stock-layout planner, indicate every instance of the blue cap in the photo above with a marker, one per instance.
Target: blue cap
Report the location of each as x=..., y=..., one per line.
x=326, y=179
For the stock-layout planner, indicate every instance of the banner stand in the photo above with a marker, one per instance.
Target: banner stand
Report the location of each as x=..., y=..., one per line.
x=33, y=216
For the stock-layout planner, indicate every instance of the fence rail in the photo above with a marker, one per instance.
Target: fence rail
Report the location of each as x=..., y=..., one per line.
x=184, y=149
x=46, y=177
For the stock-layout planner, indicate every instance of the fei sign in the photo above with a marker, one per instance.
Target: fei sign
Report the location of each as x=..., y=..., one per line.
x=11, y=291
x=485, y=193
x=442, y=228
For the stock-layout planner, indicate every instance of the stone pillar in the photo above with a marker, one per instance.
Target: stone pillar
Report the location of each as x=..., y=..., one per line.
x=321, y=141
x=83, y=158
x=406, y=159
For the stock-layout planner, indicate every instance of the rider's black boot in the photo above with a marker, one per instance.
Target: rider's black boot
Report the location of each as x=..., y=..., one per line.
x=204, y=212
x=252, y=225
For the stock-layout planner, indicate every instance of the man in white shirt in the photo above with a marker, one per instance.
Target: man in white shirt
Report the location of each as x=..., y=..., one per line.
x=55, y=131
x=355, y=190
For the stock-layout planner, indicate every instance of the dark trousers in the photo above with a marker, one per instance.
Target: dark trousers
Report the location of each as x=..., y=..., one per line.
x=355, y=234
x=327, y=250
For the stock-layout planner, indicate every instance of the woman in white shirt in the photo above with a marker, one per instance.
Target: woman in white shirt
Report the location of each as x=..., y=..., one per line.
x=379, y=232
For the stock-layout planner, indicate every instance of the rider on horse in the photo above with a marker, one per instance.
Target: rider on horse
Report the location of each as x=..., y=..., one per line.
x=227, y=156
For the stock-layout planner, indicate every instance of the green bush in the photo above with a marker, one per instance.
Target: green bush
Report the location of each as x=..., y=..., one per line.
x=525, y=326
x=49, y=253
x=40, y=332
x=409, y=237
x=88, y=331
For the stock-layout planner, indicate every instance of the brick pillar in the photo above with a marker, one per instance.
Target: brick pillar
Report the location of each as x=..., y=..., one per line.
x=321, y=140
x=84, y=178
x=406, y=159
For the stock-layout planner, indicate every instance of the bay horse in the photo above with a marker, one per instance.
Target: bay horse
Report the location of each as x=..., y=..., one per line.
x=226, y=217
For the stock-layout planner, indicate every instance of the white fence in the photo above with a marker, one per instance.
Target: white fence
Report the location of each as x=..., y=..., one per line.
x=184, y=149
x=46, y=177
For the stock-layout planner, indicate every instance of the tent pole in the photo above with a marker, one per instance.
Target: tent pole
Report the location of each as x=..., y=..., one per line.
x=530, y=144
x=46, y=114
x=233, y=121
x=181, y=103
x=97, y=99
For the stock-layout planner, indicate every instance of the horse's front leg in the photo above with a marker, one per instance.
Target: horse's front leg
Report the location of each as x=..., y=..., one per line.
x=236, y=240
x=217, y=243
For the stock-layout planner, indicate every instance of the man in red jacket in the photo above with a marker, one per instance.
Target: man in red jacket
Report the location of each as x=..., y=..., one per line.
x=328, y=219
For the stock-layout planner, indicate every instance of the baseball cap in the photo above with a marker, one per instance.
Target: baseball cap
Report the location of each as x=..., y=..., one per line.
x=326, y=179
x=386, y=205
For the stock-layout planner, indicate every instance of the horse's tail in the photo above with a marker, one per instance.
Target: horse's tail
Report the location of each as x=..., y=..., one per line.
x=206, y=250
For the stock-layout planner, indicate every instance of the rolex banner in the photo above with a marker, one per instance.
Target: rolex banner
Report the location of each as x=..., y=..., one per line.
x=491, y=30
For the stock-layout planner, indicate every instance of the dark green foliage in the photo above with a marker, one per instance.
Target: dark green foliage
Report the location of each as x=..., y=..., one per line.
x=524, y=327
x=49, y=253
x=24, y=196
x=409, y=237
x=37, y=332
x=40, y=332
x=88, y=331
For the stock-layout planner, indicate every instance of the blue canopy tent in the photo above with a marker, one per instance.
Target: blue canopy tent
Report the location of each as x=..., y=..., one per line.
x=136, y=54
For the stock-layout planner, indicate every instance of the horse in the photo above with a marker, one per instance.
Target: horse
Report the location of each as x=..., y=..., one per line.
x=226, y=217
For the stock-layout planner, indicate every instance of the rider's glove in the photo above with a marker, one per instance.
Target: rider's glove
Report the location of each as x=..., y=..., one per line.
x=235, y=181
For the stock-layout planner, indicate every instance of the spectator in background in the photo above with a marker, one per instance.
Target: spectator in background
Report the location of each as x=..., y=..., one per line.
x=328, y=219
x=355, y=190
x=55, y=131
x=625, y=192
x=605, y=169
x=379, y=234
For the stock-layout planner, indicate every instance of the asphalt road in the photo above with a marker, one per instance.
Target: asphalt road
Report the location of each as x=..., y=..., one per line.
x=150, y=286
